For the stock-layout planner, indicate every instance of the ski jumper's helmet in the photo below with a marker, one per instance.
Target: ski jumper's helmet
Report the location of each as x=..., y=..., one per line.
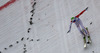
x=73, y=18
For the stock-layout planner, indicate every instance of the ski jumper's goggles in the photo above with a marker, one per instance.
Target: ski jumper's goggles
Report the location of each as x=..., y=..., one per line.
x=73, y=19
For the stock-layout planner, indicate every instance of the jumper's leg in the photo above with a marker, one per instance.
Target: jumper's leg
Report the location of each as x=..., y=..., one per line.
x=81, y=24
x=84, y=37
x=89, y=38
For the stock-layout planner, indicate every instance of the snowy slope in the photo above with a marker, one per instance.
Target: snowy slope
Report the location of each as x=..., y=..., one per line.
x=54, y=23
x=13, y=25
x=51, y=19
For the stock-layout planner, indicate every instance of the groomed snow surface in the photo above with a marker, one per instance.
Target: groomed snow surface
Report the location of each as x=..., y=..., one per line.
x=48, y=33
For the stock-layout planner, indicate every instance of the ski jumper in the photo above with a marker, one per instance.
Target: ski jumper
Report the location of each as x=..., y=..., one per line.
x=79, y=23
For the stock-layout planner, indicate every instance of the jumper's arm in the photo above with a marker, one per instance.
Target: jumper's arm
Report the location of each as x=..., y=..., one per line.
x=70, y=27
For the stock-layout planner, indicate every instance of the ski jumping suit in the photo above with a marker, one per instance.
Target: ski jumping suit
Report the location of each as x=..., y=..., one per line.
x=79, y=23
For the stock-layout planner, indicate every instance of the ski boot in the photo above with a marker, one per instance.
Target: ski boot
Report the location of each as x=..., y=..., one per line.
x=89, y=40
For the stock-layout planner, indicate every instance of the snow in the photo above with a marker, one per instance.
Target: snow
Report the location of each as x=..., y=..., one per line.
x=51, y=22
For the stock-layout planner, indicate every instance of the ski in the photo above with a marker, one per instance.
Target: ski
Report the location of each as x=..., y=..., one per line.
x=84, y=42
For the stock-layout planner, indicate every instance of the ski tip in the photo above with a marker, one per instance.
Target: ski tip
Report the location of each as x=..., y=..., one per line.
x=84, y=45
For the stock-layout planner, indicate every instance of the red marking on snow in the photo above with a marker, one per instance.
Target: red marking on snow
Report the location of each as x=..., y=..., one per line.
x=7, y=4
